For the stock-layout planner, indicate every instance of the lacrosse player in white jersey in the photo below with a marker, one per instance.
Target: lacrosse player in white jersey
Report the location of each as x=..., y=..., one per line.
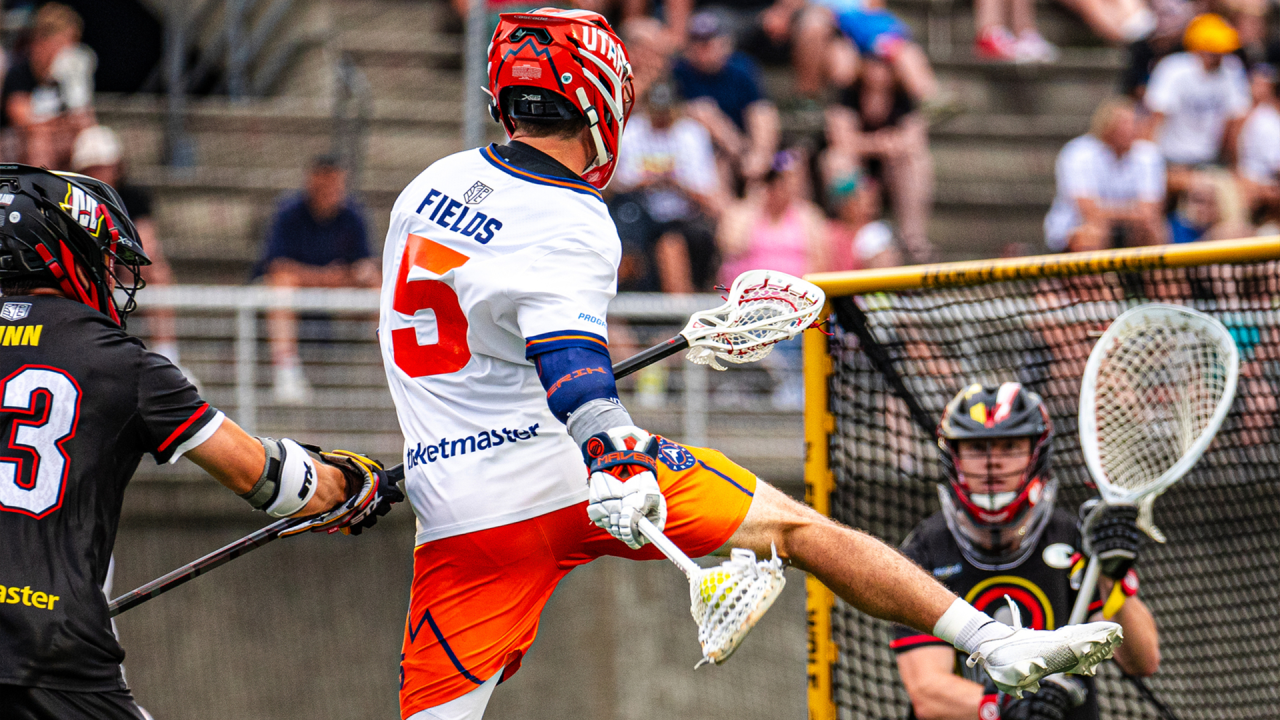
x=520, y=462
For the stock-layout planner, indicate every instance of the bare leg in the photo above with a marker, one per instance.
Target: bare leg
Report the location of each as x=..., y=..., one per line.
x=911, y=177
x=914, y=72
x=1022, y=16
x=863, y=571
x=812, y=35
x=282, y=325
x=988, y=14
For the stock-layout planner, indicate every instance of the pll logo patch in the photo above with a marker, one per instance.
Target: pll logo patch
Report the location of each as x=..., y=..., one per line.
x=15, y=311
x=477, y=193
x=84, y=209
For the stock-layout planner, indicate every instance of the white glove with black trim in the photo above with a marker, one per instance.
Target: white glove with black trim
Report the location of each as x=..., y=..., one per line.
x=623, y=483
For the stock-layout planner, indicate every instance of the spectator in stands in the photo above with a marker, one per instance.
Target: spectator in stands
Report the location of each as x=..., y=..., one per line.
x=671, y=196
x=776, y=228
x=1259, y=151
x=1006, y=31
x=97, y=153
x=877, y=124
x=318, y=239
x=858, y=238
x=1116, y=21
x=723, y=90
x=650, y=50
x=47, y=96
x=1111, y=186
x=879, y=34
x=1199, y=99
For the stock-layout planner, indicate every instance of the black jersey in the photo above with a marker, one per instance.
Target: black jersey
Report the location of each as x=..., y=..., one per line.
x=1040, y=586
x=80, y=402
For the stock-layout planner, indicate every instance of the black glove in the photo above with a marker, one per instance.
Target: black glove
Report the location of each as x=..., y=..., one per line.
x=1114, y=538
x=1057, y=695
x=370, y=495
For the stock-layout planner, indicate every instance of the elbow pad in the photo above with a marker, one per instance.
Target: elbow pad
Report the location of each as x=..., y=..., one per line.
x=288, y=480
x=574, y=376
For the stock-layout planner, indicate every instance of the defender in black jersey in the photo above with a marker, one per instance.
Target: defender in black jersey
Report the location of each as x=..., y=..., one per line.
x=80, y=403
x=1000, y=543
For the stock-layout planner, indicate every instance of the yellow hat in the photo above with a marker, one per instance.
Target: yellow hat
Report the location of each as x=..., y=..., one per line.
x=1210, y=33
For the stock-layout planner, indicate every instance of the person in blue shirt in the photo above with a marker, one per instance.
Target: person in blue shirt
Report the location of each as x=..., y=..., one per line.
x=723, y=90
x=318, y=238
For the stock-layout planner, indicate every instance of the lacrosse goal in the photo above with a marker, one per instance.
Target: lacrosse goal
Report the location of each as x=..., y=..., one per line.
x=904, y=340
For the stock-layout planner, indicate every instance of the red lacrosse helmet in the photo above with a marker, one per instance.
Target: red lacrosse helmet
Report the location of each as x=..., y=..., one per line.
x=549, y=65
x=992, y=525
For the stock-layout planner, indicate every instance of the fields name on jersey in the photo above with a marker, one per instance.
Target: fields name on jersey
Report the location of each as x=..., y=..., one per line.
x=480, y=442
x=21, y=335
x=25, y=596
x=445, y=214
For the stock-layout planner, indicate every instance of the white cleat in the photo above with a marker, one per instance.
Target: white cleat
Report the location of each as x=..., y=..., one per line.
x=1017, y=661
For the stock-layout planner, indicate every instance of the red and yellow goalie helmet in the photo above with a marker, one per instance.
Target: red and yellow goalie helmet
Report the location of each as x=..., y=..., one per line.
x=550, y=64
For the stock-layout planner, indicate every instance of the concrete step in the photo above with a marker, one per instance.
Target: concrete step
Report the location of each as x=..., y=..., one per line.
x=358, y=16
x=973, y=231
x=1073, y=86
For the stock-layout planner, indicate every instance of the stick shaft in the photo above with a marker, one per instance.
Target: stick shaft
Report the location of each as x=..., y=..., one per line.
x=218, y=557
x=1087, y=586
x=668, y=548
x=271, y=532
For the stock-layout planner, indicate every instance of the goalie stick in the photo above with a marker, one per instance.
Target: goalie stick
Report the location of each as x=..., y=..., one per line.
x=764, y=307
x=1156, y=388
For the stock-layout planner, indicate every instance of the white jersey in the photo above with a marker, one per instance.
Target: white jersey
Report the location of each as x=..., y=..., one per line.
x=483, y=260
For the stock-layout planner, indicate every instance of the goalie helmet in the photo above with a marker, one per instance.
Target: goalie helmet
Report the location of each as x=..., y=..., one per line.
x=549, y=65
x=996, y=527
x=70, y=232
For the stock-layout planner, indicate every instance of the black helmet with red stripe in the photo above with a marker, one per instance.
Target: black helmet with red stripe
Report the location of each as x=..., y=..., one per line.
x=995, y=520
x=69, y=232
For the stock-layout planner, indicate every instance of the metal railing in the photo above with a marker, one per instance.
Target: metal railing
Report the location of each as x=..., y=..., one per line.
x=247, y=303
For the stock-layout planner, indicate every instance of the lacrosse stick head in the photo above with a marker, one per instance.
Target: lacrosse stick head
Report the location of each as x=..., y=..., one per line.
x=729, y=599
x=764, y=308
x=1156, y=389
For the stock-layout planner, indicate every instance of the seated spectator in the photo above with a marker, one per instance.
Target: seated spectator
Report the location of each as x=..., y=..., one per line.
x=97, y=154
x=1198, y=215
x=318, y=239
x=1111, y=186
x=1006, y=31
x=723, y=91
x=1116, y=21
x=670, y=197
x=1199, y=99
x=1259, y=151
x=879, y=34
x=47, y=96
x=877, y=124
x=859, y=239
x=776, y=228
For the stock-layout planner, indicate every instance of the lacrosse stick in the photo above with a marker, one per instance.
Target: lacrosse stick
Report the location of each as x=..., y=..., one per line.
x=765, y=307
x=1156, y=389
x=726, y=600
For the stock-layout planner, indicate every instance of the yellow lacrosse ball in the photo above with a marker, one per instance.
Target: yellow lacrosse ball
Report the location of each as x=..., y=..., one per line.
x=710, y=586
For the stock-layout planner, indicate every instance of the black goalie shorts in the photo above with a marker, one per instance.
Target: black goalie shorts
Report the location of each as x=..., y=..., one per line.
x=29, y=703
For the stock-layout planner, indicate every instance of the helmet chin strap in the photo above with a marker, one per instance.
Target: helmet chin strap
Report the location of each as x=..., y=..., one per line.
x=593, y=117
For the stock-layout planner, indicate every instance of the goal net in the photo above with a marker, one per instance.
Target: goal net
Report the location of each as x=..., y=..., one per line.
x=904, y=341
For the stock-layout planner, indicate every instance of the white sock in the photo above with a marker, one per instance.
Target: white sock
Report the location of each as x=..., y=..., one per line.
x=966, y=627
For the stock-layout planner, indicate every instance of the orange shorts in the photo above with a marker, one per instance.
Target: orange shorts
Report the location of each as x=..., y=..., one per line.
x=477, y=598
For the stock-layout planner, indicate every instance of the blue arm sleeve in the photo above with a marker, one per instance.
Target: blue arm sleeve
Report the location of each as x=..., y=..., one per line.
x=574, y=376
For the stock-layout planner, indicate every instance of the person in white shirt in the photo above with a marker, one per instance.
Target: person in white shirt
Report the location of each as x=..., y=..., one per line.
x=1259, y=149
x=1198, y=99
x=521, y=463
x=1111, y=186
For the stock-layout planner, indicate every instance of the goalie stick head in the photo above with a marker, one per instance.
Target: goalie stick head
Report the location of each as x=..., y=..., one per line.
x=991, y=512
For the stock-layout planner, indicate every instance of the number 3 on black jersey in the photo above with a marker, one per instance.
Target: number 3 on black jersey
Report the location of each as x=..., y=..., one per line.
x=42, y=405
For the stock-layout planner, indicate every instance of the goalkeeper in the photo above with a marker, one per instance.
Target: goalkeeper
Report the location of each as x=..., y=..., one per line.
x=999, y=536
x=499, y=266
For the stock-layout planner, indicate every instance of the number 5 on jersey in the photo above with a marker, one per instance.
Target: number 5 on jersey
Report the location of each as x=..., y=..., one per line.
x=449, y=353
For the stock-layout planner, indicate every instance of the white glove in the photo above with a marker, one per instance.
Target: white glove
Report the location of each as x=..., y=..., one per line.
x=623, y=485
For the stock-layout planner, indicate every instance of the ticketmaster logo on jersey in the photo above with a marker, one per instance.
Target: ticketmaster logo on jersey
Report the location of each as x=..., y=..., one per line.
x=483, y=441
